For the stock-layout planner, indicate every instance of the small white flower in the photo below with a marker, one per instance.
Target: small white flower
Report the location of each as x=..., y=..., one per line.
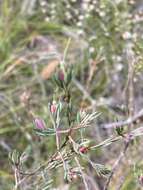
x=132, y=2
x=119, y=67
x=91, y=7
x=91, y=49
x=68, y=6
x=94, y=2
x=81, y=17
x=79, y=24
x=119, y=58
x=135, y=79
x=102, y=13
x=85, y=6
x=127, y=35
x=47, y=19
x=43, y=3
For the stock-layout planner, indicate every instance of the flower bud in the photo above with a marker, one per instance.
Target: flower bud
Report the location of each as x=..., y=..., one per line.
x=83, y=150
x=39, y=123
x=141, y=180
x=61, y=75
x=53, y=107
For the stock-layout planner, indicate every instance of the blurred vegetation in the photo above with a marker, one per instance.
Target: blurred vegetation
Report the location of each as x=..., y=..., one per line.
x=106, y=44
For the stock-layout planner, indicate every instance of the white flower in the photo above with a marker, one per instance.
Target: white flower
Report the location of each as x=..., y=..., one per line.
x=127, y=35
x=43, y=3
x=79, y=24
x=102, y=13
x=91, y=49
x=68, y=6
x=94, y=2
x=47, y=19
x=91, y=7
x=81, y=17
x=119, y=67
x=85, y=6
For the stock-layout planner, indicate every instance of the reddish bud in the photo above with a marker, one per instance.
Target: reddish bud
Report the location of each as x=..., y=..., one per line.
x=61, y=75
x=39, y=123
x=53, y=109
x=83, y=150
x=141, y=180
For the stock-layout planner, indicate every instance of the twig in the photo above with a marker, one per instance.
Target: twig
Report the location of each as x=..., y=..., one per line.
x=131, y=120
x=131, y=62
x=115, y=167
x=16, y=176
x=84, y=91
x=121, y=182
x=82, y=174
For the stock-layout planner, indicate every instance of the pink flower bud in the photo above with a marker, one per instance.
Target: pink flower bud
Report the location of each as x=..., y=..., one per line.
x=83, y=150
x=53, y=108
x=39, y=123
x=61, y=75
x=141, y=180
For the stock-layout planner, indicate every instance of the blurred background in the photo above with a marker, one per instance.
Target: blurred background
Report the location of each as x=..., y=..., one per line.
x=106, y=54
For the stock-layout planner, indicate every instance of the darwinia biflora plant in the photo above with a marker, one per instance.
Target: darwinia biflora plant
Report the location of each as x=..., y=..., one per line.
x=71, y=145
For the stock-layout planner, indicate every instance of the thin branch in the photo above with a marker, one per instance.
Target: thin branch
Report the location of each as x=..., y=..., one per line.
x=115, y=166
x=82, y=174
x=131, y=120
x=121, y=182
x=84, y=91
